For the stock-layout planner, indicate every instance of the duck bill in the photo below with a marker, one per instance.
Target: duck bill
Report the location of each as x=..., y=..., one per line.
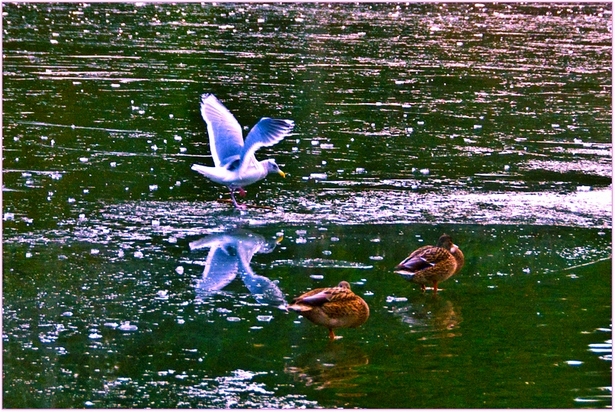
x=282, y=173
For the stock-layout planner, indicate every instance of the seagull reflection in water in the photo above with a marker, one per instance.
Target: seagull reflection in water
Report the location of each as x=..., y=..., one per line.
x=230, y=255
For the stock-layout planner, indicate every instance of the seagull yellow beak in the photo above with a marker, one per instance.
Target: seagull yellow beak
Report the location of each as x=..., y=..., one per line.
x=282, y=173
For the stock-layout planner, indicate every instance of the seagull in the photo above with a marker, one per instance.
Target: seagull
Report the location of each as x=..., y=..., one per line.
x=235, y=164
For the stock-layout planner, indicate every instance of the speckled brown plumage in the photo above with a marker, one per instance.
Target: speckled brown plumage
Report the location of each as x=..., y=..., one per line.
x=432, y=264
x=336, y=307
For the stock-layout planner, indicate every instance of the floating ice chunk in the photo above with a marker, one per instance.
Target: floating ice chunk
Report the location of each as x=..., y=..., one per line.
x=506, y=168
x=138, y=254
x=127, y=327
x=359, y=170
x=584, y=188
x=318, y=176
x=162, y=294
x=478, y=126
x=317, y=277
x=424, y=171
x=391, y=299
x=153, y=187
x=83, y=159
x=233, y=319
x=9, y=216
x=94, y=251
x=155, y=223
x=264, y=318
x=574, y=363
x=179, y=270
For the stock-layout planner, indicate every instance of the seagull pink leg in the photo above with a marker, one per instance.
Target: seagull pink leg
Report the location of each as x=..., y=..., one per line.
x=237, y=205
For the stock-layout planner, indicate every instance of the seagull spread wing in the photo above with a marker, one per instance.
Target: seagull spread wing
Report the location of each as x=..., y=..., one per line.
x=225, y=137
x=266, y=132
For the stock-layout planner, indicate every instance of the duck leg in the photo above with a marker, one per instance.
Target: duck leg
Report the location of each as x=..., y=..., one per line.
x=331, y=334
x=422, y=288
x=435, y=287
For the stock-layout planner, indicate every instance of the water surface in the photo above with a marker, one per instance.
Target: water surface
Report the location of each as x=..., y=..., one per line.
x=128, y=283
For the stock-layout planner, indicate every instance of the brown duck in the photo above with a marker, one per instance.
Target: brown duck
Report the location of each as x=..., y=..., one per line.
x=336, y=307
x=432, y=264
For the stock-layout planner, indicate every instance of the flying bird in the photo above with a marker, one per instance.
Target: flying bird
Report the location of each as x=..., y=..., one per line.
x=234, y=163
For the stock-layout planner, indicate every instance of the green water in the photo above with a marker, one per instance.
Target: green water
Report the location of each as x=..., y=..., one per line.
x=488, y=122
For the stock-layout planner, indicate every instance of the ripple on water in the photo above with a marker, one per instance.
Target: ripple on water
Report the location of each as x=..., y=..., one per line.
x=320, y=263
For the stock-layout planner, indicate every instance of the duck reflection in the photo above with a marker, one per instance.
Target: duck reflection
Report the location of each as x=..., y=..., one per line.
x=230, y=255
x=431, y=313
x=337, y=367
